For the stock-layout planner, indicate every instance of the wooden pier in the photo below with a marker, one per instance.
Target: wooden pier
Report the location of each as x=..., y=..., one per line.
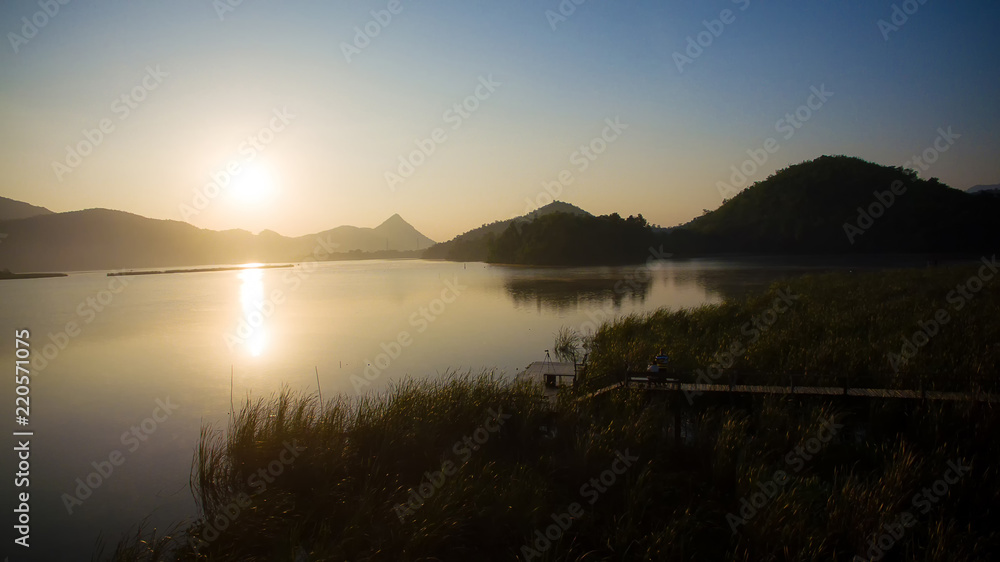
x=552, y=375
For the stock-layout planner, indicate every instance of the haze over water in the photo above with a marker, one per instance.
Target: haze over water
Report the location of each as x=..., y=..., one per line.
x=165, y=337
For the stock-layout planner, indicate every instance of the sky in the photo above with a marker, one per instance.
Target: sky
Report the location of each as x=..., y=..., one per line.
x=298, y=116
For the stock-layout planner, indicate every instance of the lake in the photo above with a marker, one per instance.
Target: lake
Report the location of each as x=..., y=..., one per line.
x=128, y=369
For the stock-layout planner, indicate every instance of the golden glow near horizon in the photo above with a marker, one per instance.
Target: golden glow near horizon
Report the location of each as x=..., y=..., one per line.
x=254, y=184
x=478, y=129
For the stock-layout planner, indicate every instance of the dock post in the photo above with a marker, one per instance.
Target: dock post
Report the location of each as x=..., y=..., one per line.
x=677, y=427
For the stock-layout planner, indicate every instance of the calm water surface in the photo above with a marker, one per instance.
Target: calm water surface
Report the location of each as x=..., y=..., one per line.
x=178, y=338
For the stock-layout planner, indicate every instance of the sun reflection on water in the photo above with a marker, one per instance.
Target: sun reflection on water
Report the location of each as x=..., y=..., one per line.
x=252, y=330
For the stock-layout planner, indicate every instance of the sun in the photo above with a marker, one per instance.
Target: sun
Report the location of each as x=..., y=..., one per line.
x=253, y=184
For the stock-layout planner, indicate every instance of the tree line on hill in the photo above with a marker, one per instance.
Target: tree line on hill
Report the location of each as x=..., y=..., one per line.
x=833, y=205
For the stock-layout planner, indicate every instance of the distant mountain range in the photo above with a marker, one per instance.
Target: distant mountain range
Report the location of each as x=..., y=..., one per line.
x=37, y=239
x=830, y=205
x=982, y=188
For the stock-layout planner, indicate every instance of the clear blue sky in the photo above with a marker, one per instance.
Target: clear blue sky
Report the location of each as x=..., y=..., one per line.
x=222, y=79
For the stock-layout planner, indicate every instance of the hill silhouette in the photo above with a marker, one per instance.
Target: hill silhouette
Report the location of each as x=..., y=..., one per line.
x=843, y=205
x=97, y=239
x=11, y=210
x=982, y=188
x=474, y=245
x=573, y=239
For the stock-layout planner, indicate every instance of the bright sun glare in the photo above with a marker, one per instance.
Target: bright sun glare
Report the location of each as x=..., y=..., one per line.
x=253, y=184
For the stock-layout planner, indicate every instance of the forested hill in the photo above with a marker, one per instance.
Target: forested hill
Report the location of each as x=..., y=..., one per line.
x=844, y=205
x=565, y=239
x=474, y=244
x=830, y=205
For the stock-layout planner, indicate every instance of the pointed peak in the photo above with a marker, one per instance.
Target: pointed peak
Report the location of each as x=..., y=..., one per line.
x=393, y=220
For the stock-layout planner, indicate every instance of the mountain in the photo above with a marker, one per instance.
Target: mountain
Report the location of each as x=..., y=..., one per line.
x=11, y=209
x=96, y=239
x=474, y=244
x=995, y=188
x=841, y=204
x=574, y=239
x=393, y=234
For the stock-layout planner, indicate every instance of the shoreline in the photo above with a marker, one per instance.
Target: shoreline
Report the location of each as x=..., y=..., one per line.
x=197, y=270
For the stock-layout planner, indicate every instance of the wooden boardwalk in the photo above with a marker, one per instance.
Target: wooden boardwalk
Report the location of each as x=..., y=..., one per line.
x=839, y=391
x=551, y=375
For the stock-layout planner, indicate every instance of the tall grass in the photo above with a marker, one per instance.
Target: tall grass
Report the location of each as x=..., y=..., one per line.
x=360, y=458
x=842, y=325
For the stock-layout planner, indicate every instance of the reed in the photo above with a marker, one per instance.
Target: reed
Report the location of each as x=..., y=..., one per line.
x=359, y=458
